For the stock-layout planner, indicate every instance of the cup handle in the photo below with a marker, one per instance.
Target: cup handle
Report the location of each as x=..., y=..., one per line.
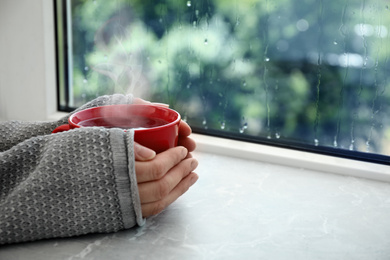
x=61, y=128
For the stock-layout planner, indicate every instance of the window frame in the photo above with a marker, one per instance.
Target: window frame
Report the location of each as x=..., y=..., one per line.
x=63, y=50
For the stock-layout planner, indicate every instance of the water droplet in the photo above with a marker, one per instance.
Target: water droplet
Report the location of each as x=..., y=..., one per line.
x=204, y=121
x=335, y=144
x=351, y=147
x=86, y=68
x=243, y=128
x=335, y=43
x=188, y=3
x=368, y=146
x=266, y=59
x=189, y=85
x=185, y=118
x=194, y=24
x=244, y=83
x=223, y=125
x=277, y=135
x=85, y=81
x=316, y=142
x=206, y=42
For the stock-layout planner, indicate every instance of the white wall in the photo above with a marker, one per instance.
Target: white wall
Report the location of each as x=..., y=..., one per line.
x=27, y=60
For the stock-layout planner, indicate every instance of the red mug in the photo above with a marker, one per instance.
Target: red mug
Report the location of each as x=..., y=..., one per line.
x=155, y=127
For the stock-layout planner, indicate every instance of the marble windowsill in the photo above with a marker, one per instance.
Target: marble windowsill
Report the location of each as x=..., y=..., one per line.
x=247, y=209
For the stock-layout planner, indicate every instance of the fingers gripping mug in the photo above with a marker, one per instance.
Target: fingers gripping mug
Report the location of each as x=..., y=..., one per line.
x=155, y=127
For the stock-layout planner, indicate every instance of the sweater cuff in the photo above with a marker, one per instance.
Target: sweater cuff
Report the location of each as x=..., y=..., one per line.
x=126, y=182
x=133, y=178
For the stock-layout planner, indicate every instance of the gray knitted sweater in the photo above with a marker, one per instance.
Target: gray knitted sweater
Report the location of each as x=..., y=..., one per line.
x=66, y=184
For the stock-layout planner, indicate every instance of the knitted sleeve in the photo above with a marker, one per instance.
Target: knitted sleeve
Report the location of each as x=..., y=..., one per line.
x=14, y=132
x=67, y=184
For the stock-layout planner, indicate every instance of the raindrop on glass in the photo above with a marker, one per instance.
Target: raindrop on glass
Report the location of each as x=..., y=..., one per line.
x=335, y=144
x=86, y=68
x=335, y=43
x=266, y=59
x=204, y=121
x=85, y=81
x=206, y=41
x=189, y=85
x=223, y=125
x=316, y=142
x=277, y=135
x=244, y=83
x=243, y=128
x=188, y=3
x=352, y=145
x=368, y=146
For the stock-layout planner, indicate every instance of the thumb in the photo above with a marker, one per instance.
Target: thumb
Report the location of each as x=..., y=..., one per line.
x=143, y=153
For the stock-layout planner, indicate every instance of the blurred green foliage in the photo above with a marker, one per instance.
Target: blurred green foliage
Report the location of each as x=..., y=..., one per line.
x=308, y=71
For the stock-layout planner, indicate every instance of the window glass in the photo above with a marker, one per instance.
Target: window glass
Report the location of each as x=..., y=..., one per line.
x=308, y=73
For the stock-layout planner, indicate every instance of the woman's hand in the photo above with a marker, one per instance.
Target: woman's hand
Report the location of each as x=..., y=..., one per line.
x=162, y=178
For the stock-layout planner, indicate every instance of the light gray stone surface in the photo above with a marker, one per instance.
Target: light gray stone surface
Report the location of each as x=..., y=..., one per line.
x=243, y=209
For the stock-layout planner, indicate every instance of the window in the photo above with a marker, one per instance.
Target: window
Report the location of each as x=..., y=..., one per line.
x=308, y=74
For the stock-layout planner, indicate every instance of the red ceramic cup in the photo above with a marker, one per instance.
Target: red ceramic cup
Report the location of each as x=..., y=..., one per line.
x=155, y=127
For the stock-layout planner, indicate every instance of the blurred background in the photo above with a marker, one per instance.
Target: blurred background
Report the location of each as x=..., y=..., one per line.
x=309, y=72
x=312, y=74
